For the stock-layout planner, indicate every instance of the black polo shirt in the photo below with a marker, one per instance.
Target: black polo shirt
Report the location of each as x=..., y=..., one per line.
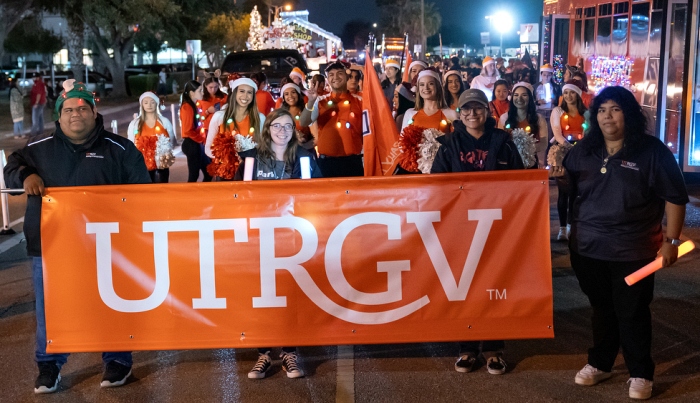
x=617, y=216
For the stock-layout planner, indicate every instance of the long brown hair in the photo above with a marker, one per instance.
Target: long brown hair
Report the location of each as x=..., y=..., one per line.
x=440, y=95
x=252, y=111
x=264, y=141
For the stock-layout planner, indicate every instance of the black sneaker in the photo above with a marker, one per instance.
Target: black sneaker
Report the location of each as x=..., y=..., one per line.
x=115, y=375
x=290, y=365
x=48, y=379
x=261, y=367
x=465, y=363
x=496, y=365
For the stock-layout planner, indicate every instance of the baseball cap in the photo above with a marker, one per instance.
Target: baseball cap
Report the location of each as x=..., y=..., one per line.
x=473, y=95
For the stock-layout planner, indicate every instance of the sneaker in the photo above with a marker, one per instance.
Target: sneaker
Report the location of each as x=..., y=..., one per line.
x=261, y=367
x=563, y=235
x=568, y=231
x=640, y=388
x=590, y=375
x=48, y=379
x=115, y=375
x=496, y=365
x=465, y=363
x=290, y=365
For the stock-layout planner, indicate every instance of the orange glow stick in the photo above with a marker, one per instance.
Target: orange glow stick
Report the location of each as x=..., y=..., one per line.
x=633, y=278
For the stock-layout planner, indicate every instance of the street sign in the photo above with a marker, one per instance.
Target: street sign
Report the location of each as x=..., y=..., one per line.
x=485, y=38
x=529, y=33
x=418, y=49
x=193, y=47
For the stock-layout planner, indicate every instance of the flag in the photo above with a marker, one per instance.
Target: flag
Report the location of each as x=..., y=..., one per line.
x=409, y=60
x=380, y=134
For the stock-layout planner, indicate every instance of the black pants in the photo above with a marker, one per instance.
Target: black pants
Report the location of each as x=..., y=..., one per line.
x=333, y=167
x=562, y=205
x=621, y=314
x=489, y=348
x=160, y=175
x=285, y=349
x=196, y=160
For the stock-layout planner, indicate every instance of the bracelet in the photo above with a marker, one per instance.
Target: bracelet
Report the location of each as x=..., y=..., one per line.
x=307, y=108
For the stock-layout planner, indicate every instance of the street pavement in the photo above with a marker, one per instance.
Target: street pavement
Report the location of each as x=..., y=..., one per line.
x=538, y=370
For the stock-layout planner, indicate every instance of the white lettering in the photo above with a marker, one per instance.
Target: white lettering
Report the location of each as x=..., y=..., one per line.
x=424, y=222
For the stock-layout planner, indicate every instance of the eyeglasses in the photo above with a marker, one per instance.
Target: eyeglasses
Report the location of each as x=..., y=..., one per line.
x=278, y=126
x=477, y=110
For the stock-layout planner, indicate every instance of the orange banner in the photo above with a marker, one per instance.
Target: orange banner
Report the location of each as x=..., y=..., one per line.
x=321, y=262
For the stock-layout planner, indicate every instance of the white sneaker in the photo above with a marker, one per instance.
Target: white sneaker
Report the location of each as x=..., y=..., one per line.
x=568, y=231
x=563, y=236
x=640, y=388
x=590, y=375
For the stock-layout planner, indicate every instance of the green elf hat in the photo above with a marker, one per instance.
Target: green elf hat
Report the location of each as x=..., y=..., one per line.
x=71, y=89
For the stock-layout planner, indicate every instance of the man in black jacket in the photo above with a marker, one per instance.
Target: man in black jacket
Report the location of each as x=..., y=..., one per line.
x=80, y=152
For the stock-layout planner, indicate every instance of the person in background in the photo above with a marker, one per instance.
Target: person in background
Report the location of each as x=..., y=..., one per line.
x=488, y=77
x=194, y=134
x=568, y=123
x=622, y=182
x=547, y=91
x=522, y=114
x=404, y=99
x=499, y=104
x=213, y=99
x=38, y=102
x=320, y=81
x=162, y=81
x=477, y=145
x=66, y=158
x=414, y=68
x=299, y=78
x=17, y=110
x=454, y=87
x=262, y=96
x=355, y=78
x=392, y=80
x=294, y=103
x=339, y=117
x=586, y=95
x=150, y=123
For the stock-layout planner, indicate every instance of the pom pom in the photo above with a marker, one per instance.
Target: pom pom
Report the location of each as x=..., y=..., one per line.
x=147, y=146
x=526, y=147
x=418, y=148
x=164, y=153
x=428, y=149
x=556, y=154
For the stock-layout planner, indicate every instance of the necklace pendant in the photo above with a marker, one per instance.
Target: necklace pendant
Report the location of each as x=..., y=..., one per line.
x=603, y=170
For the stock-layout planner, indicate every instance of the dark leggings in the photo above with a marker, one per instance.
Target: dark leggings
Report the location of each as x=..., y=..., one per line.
x=196, y=160
x=563, y=206
x=160, y=175
x=285, y=349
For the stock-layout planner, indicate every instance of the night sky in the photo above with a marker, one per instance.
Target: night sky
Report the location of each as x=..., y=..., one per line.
x=462, y=20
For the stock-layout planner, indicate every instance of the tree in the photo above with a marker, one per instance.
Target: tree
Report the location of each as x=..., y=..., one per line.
x=114, y=26
x=255, y=31
x=401, y=16
x=224, y=33
x=11, y=13
x=150, y=40
x=28, y=36
x=355, y=34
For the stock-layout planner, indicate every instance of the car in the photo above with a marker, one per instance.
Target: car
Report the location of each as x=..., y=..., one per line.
x=275, y=63
x=92, y=81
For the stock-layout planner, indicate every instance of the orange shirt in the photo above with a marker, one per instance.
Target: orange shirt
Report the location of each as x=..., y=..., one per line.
x=243, y=127
x=437, y=120
x=265, y=102
x=339, y=125
x=205, y=105
x=296, y=112
x=499, y=108
x=187, y=117
x=572, y=126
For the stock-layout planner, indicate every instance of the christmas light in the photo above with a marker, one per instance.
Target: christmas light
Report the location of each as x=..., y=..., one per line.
x=347, y=125
x=337, y=125
x=443, y=122
x=608, y=72
x=346, y=103
x=330, y=103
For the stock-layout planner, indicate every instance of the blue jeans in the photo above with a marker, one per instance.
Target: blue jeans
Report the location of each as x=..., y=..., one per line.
x=123, y=358
x=37, y=120
x=18, y=128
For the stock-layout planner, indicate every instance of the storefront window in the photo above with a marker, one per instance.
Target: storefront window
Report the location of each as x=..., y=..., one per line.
x=603, y=45
x=639, y=32
x=589, y=37
x=619, y=35
x=576, y=46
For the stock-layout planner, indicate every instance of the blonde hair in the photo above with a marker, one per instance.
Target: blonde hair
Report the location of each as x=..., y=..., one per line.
x=440, y=95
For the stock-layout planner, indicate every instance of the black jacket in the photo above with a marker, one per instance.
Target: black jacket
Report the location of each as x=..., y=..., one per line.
x=104, y=159
x=296, y=169
x=502, y=152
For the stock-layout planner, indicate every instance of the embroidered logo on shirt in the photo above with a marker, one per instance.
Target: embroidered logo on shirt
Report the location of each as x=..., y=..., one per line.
x=630, y=165
x=93, y=155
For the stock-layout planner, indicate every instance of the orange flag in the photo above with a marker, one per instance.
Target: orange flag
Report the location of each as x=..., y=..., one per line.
x=380, y=134
x=409, y=60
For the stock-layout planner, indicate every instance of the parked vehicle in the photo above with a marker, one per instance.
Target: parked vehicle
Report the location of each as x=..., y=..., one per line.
x=275, y=63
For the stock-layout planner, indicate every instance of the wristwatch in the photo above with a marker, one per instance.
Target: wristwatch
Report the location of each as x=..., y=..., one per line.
x=674, y=241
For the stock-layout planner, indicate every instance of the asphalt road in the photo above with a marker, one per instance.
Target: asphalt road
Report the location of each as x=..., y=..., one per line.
x=538, y=370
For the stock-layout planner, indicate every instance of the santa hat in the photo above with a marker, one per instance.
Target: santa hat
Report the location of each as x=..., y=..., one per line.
x=547, y=67
x=429, y=73
x=524, y=85
x=296, y=72
x=391, y=63
x=418, y=63
x=487, y=60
